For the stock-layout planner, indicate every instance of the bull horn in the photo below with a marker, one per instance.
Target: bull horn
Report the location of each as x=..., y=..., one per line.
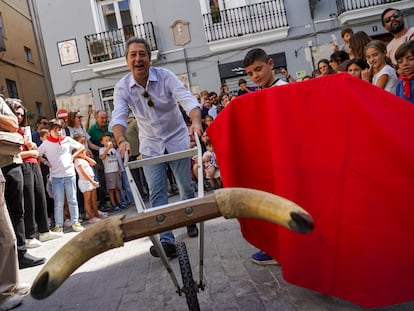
x=114, y=231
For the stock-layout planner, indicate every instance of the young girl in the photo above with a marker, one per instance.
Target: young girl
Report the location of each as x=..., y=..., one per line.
x=211, y=167
x=355, y=67
x=405, y=60
x=87, y=184
x=383, y=75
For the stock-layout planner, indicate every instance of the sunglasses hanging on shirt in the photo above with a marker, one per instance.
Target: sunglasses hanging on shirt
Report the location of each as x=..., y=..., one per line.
x=148, y=98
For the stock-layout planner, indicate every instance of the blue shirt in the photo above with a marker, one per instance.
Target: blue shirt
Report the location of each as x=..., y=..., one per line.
x=400, y=91
x=161, y=127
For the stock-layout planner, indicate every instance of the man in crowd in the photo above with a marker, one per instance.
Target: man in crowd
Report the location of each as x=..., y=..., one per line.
x=393, y=21
x=95, y=132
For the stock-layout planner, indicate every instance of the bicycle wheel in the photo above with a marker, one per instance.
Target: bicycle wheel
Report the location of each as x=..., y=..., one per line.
x=189, y=286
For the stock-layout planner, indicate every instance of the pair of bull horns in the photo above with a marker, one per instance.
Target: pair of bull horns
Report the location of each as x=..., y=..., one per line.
x=114, y=231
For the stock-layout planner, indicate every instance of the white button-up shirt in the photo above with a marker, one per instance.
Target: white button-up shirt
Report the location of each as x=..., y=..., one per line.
x=161, y=127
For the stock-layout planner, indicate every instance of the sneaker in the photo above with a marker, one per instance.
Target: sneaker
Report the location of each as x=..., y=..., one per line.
x=102, y=214
x=11, y=302
x=46, y=236
x=263, y=259
x=169, y=250
x=93, y=220
x=67, y=223
x=192, y=231
x=58, y=229
x=123, y=206
x=77, y=227
x=116, y=208
x=33, y=243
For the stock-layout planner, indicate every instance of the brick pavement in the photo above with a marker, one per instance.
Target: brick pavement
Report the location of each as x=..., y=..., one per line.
x=128, y=278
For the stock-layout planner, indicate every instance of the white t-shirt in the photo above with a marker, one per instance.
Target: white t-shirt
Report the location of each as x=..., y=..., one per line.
x=392, y=78
x=60, y=156
x=112, y=162
x=394, y=44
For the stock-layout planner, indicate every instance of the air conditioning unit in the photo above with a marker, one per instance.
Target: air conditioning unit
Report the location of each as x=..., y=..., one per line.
x=100, y=50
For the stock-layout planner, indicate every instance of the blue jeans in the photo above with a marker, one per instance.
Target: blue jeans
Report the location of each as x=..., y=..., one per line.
x=156, y=176
x=60, y=187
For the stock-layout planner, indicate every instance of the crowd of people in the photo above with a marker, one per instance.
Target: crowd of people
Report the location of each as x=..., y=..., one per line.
x=67, y=170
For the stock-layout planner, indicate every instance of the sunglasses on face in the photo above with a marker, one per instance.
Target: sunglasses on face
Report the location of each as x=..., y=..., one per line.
x=18, y=114
x=395, y=16
x=148, y=98
x=79, y=117
x=44, y=123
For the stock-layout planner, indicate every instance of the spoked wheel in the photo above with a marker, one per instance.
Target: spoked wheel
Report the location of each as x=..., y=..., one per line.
x=189, y=286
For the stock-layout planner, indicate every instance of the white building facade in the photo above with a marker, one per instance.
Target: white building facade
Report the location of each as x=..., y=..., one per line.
x=202, y=42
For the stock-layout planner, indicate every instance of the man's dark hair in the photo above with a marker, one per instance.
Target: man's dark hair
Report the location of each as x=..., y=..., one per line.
x=39, y=120
x=137, y=40
x=385, y=12
x=254, y=55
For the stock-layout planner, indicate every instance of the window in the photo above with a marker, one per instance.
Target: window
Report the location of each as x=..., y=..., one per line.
x=28, y=54
x=39, y=108
x=107, y=96
x=12, y=89
x=116, y=14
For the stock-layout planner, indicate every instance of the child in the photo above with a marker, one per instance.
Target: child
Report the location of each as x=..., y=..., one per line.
x=383, y=75
x=405, y=60
x=355, y=67
x=87, y=183
x=346, y=34
x=259, y=67
x=211, y=167
x=58, y=150
x=112, y=167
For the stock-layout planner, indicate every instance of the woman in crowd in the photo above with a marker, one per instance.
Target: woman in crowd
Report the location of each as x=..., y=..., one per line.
x=35, y=207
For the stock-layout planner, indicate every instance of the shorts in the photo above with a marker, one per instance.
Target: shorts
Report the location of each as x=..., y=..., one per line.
x=113, y=181
x=85, y=185
x=216, y=173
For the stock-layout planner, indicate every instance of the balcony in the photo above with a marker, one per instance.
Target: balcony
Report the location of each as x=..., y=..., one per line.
x=350, y=11
x=109, y=45
x=236, y=23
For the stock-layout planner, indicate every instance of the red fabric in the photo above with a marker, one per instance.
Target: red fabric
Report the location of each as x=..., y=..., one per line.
x=55, y=140
x=406, y=84
x=342, y=149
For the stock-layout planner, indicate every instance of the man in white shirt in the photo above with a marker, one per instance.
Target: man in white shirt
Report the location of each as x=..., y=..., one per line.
x=153, y=95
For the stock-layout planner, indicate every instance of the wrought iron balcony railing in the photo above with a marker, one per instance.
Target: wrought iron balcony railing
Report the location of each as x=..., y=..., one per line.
x=350, y=5
x=110, y=44
x=249, y=19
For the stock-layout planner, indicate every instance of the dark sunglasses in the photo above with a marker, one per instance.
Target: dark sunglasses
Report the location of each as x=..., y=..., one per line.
x=79, y=117
x=18, y=114
x=44, y=123
x=148, y=98
x=395, y=16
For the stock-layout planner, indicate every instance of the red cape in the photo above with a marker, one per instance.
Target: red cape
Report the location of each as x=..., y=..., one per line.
x=343, y=150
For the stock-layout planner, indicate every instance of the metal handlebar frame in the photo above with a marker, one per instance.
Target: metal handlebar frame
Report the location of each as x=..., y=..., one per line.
x=141, y=208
